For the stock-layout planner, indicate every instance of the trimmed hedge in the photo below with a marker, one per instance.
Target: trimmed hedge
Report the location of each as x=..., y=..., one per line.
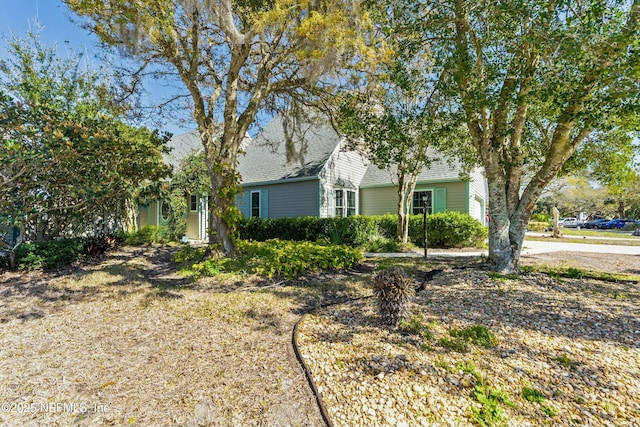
x=447, y=229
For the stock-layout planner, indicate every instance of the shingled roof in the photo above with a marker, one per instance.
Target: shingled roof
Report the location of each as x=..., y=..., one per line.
x=266, y=160
x=182, y=146
x=440, y=170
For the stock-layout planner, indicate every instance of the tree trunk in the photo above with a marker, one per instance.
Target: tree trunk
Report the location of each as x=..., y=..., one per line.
x=405, y=192
x=222, y=201
x=507, y=228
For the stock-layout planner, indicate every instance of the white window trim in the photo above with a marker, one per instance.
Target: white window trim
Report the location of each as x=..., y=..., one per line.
x=191, y=203
x=345, y=202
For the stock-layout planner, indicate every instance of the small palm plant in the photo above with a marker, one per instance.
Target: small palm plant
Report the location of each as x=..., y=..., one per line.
x=394, y=290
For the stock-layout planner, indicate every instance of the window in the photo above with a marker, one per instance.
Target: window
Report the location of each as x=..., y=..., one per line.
x=165, y=211
x=339, y=203
x=419, y=198
x=351, y=203
x=345, y=203
x=193, y=203
x=255, y=204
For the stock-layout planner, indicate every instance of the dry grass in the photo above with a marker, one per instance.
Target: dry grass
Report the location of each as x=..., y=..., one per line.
x=128, y=342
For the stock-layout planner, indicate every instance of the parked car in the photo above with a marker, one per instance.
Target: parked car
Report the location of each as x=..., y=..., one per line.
x=616, y=223
x=595, y=223
x=568, y=222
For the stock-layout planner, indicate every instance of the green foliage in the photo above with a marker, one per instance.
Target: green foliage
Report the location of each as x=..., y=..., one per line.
x=188, y=253
x=380, y=244
x=476, y=334
x=575, y=273
x=415, y=325
x=538, y=226
x=567, y=362
x=67, y=156
x=447, y=229
x=535, y=396
x=49, y=254
x=457, y=345
x=147, y=235
x=393, y=291
x=491, y=400
x=277, y=257
x=541, y=217
x=532, y=395
x=207, y=268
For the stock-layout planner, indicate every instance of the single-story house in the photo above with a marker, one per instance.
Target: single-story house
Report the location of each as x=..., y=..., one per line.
x=324, y=180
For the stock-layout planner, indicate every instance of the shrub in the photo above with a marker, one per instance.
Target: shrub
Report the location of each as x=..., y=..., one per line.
x=147, y=235
x=393, y=290
x=101, y=243
x=538, y=226
x=381, y=244
x=447, y=229
x=540, y=217
x=276, y=257
x=49, y=254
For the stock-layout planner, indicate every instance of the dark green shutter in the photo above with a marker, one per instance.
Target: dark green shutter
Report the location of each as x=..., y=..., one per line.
x=440, y=200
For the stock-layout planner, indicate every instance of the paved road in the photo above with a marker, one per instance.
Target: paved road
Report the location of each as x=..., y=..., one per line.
x=535, y=247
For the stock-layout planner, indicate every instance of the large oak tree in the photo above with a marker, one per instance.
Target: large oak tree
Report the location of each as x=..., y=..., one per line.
x=233, y=57
x=536, y=80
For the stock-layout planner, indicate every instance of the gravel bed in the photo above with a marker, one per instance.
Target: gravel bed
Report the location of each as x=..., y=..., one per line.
x=568, y=354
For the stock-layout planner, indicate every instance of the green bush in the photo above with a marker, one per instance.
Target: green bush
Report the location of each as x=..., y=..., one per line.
x=49, y=254
x=147, y=235
x=540, y=217
x=448, y=229
x=277, y=257
x=538, y=226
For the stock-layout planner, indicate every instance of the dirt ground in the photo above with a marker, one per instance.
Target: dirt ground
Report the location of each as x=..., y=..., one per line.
x=128, y=341
x=606, y=263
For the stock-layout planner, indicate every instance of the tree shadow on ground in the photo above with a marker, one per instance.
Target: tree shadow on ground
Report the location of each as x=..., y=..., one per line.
x=146, y=271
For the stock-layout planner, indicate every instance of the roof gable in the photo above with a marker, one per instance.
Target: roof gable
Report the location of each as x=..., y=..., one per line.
x=265, y=158
x=439, y=170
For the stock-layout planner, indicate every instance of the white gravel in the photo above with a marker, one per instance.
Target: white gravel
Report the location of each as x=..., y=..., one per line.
x=576, y=342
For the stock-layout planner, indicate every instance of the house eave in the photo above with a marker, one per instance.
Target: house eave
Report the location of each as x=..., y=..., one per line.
x=279, y=181
x=423, y=182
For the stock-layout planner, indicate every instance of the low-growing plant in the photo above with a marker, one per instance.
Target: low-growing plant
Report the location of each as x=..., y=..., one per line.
x=491, y=400
x=565, y=361
x=207, y=268
x=575, y=273
x=48, y=254
x=393, y=291
x=188, y=253
x=535, y=396
x=476, y=334
x=532, y=395
x=415, y=325
x=538, y=226
x=381, y=244
x=286, y=258
x=101, y=243
x=455, y=344
x=147, y=235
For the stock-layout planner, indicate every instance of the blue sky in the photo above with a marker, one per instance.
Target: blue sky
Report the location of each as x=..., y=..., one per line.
x=19, y=16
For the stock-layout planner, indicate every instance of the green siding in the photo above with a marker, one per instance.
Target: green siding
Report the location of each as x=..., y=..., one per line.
x=383, y=200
